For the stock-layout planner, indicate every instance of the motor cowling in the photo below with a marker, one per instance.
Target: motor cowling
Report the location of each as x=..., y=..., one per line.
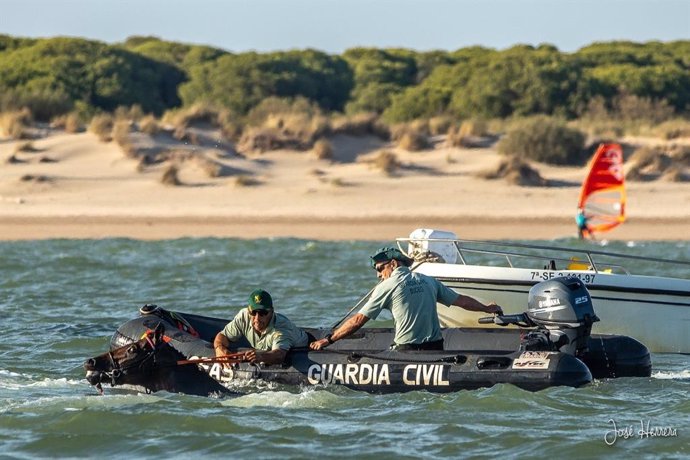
x=564, y=302
x=564, y=307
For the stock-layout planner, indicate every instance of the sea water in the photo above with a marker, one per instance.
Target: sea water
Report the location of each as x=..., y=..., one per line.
x=61, y=301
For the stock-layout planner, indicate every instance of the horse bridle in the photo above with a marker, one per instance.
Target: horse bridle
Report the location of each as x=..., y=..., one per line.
x=118, y=371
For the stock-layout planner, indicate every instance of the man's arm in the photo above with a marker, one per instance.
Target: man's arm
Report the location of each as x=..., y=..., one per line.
x=471, y=304
x=349, y=327
x=221, y=345
x=276, y=356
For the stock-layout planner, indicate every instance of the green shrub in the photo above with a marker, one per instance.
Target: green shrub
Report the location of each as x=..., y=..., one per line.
x=102, y=126
x=673, y=129
x=230, y=127
x=35, y=178
x=675, y=173
x=516, y=171
x=645, y=155
x=412, y=136
x=440, y=125
x=413, y=141
x=544, y=139
x=70, y=122
x=681, y=154
x=467, y=134
x=297, y=121
x=212, y=168
x=323, y=150
x=244, y=180
x=120, y=132
x=170, y=176
x=651, y=160
x=132, y=113
x=385, y=160
x=359, y=125
x=149, y=125
x=15, y=124
x=13, y=160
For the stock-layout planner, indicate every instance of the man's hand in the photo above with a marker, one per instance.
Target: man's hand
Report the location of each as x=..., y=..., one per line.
x=251, y=356
x=495, y=309
x=275, y=356
x=319, y=344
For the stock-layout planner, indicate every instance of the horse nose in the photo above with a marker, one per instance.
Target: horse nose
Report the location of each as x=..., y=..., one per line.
x=93, y=378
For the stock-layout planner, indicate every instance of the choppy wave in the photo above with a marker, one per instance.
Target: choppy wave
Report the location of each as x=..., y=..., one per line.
x=678, y=375
x=63, y=299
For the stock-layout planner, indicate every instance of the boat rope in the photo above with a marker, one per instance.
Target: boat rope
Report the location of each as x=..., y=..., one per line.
x=354, y=356
x=231, y=358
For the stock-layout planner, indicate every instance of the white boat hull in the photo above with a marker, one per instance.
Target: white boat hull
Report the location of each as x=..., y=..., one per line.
x=653, y=310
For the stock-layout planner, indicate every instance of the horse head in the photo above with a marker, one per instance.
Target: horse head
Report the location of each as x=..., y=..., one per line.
x=132, y=364
x=151, y=363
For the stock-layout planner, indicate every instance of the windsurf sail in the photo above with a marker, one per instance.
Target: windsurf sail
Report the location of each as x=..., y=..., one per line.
x=602, y=197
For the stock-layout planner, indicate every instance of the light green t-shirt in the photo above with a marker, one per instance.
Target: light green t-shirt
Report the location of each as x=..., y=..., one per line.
x=411, y=298
x=280, y=333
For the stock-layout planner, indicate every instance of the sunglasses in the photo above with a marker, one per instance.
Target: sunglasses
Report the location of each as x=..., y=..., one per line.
x=379, y=268
x=259, y=312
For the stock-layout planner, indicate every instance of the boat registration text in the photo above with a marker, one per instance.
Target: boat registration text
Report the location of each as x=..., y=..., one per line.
x=544, y=275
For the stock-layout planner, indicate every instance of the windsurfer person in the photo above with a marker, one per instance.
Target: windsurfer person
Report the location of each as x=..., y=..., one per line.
x=582, y=227
x=411, y=298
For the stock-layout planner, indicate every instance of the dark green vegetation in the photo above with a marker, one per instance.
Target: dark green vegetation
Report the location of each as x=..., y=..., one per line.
x=291, y=99
x=546, y=140
x=58, y=75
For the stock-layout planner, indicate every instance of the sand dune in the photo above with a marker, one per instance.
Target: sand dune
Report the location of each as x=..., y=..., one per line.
x=78, y=187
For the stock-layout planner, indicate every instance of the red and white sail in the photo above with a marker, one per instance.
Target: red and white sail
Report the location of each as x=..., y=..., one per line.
x=602, y=196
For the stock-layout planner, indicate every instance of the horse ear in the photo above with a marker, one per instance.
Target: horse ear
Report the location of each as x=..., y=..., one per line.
x=158, y=333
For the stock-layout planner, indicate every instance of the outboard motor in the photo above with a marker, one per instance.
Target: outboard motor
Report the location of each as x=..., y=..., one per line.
x=562, y=308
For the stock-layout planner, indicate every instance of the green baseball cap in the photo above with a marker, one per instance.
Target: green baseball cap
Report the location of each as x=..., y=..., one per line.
x=386, y=254
x=260, y=300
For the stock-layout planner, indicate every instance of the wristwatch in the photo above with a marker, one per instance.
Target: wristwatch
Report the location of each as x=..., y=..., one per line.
x=329, y=337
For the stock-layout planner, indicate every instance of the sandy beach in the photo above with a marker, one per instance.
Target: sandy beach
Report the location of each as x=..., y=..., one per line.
x=74, y=186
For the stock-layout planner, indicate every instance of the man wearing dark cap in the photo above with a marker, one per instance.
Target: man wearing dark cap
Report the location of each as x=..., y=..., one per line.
x=411, y=298
x=270, y=334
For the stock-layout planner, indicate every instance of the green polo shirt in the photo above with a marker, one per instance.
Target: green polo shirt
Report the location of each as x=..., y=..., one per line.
x=280, y=333
x=411, y=298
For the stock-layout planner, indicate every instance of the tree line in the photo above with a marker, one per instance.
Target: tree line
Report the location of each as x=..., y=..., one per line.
x=60, y=75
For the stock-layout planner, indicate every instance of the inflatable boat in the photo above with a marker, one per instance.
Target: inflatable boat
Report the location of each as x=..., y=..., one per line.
x=551, y=346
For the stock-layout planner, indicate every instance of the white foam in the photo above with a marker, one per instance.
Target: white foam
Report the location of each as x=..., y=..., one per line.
x=307, y=398
x=682, y=375
x=75, y=403
x=50, y=383
x=309, y=245
x=4, y=372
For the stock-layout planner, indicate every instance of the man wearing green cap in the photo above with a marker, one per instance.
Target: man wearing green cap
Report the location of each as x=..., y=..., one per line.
x=270, y=334
x=411, y=298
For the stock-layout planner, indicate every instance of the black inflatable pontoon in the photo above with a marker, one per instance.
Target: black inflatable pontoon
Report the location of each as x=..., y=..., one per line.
x=554, y=347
